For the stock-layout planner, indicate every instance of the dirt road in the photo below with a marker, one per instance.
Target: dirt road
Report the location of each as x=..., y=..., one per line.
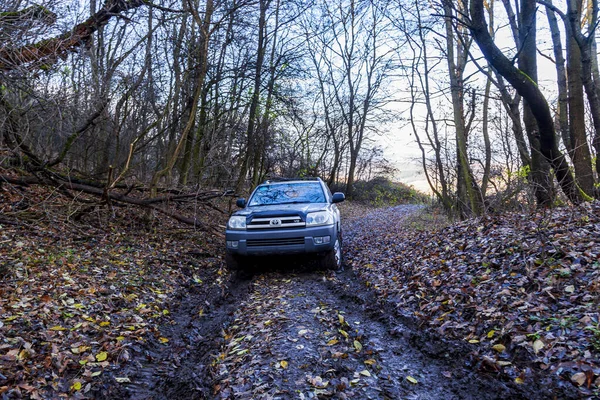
x=291, y=333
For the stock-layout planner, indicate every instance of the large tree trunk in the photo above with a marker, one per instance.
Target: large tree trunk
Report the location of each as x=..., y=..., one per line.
x=585, y=47
x=530, y=91
x=540, y=169
x=582, y=160
x=46, y=52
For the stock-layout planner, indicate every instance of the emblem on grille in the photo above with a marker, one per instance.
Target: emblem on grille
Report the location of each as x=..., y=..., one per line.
x=275, y=222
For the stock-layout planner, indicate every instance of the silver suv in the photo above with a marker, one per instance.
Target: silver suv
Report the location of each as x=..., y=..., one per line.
x=286, y=217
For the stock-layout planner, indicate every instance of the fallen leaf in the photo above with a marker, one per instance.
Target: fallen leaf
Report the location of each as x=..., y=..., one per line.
x=499, y=347
x=357, y=345
x=365, y=372
x=101, y=356
x=537, y=345
x=58, y=328
x=569, y=289
x=412, y=380
x=122, y=379
x=76, y=386
x=283, y=364
x=579, y=378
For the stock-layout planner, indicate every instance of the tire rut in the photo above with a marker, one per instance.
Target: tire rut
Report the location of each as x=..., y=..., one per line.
x=181, y=370
x=306, y=336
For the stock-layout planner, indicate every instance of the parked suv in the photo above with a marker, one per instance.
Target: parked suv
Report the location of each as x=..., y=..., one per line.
x=286, y=217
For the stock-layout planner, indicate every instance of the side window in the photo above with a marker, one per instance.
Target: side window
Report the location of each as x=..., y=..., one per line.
x=327, y=193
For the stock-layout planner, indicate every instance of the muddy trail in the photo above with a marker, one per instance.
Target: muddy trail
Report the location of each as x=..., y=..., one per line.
x=290, y=332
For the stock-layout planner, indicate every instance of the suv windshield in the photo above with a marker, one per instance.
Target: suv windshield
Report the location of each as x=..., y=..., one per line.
x=288, y=193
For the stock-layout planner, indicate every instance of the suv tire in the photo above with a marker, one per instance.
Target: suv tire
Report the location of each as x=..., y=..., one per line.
x=235, y=263
x=333, y=259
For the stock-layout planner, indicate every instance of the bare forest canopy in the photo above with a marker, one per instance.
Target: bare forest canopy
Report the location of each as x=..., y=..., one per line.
x=105, y=97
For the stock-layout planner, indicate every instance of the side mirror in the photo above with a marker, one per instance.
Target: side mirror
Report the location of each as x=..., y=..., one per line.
x=338, y=197
x=241, y=203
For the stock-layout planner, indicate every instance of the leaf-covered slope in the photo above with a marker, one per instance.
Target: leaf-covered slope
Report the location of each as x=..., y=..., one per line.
x=77, y=303
x=522, y=290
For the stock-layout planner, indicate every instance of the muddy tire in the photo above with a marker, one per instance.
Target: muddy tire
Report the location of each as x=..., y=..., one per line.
x=333, y=259
x=235, y=263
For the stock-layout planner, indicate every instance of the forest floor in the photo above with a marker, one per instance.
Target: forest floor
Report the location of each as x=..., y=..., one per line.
x=109, y=306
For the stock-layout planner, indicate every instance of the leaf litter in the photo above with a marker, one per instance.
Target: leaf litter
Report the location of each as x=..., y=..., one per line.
x=79, y=301
x=521, y=290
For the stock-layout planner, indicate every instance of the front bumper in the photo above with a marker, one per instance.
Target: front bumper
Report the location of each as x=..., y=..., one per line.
x=280, y=242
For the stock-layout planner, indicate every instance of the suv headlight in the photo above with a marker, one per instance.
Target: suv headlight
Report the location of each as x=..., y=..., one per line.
x=319, y=218
x=237, y=222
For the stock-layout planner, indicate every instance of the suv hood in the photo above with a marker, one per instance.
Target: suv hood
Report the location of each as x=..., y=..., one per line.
x=277, y=210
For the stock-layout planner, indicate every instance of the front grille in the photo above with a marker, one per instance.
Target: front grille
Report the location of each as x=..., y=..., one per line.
x=289, y=221
x=274, y=242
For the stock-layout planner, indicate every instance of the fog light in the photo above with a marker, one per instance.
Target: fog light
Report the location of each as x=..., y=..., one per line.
x=233, y=244
x=322, y=239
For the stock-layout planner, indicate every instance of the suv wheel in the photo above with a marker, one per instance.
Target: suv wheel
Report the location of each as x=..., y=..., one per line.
x=333, y=259
x=235, y=263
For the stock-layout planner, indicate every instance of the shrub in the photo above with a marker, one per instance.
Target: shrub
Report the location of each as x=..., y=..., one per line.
x=381, y=191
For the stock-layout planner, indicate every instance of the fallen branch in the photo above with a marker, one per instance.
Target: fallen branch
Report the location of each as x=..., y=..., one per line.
x=6, y=221
x=151, y=203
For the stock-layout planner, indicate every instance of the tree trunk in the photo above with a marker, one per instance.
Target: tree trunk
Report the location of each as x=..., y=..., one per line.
x=202, y=69
x=582, y=160
x=48, y=51
x=540, y=170
x=563, y=114
x=469, y=195
x=585, y=48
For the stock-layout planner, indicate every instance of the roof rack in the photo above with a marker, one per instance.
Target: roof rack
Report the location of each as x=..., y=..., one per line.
x=282, y=179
